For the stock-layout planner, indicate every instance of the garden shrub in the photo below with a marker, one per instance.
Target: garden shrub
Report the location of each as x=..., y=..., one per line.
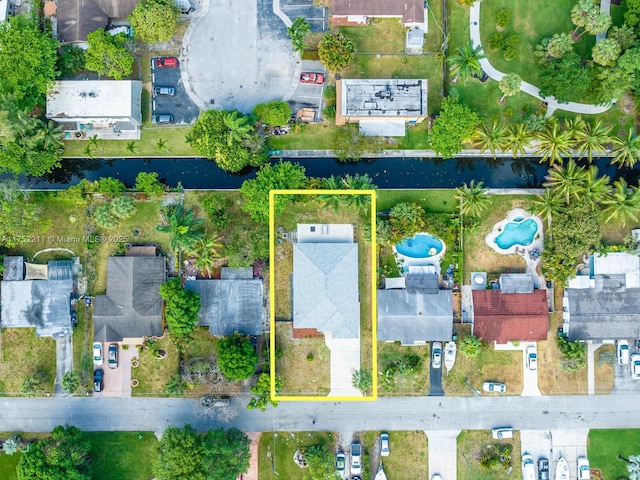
x=512, y=40
x=496, y=41
x=329, y=112
x=503, y=18
x=216, y=205
x=508, y=113
x=509, y=53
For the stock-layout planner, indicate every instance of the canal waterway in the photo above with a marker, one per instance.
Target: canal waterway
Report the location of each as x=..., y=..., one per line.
x=392, y=173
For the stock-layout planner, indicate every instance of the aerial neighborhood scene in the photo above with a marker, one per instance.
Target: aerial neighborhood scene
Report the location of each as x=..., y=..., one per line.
x=320, y=239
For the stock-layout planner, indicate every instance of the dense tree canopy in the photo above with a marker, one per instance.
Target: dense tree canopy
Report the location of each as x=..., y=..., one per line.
x=108, y=55
x=147, y=182
x=17, y=215
x=154, y=21
x=567, y=78
x=27, y=61
x=321, y=463
x=277, y=112
x=281, y=176
x=237, y=358
x=336, y=51
x=246, y=242
x=61, y=456
x=455, y=124
x=262, y=392
x=228, y=138
x=182, y=307
x=226, y=453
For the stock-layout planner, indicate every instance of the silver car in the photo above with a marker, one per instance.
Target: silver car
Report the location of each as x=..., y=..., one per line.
x=436, y=355
x=168, y=91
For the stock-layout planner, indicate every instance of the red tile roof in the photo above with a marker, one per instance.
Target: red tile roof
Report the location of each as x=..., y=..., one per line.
x=504, y=317
x=411, y=11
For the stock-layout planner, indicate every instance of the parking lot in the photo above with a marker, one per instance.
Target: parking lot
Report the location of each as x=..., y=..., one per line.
x=179, y=105
x=317, y=17
x=308, y=95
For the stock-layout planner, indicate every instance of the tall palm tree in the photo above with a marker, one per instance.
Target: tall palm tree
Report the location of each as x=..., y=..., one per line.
x=597, y=22
x=596, y=188
x=206, y=252
x=473, y=198
x=332, y=199
x=161, y=145
x=566, y=182
x=626, y=151
x=518, y=139
x=132, y=147
x=623, y=203
x=93, y=141
x=52, y=136
x=509, y=85
x=553, y=144
x=560, y=44
x=466, y=62
x=624, y=35
x=546, y=205
x=593, y=139
x=87, y=151
x=182, y=226
x=238, y=127
x=490, y=137
x=358, y=182
x=580, y=14
x=574, y=126
x=606, y=52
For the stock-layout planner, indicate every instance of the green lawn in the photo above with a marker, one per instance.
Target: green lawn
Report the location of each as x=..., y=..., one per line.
x=122, y=455
x=604, y=446
x=413, y=382
x=408, y=454
x=8, y=465
x=433, y=201
x=472, y=444
x=275, y=452
x=153, y=373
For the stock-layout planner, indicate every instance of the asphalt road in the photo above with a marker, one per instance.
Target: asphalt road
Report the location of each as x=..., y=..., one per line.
x=419, y=413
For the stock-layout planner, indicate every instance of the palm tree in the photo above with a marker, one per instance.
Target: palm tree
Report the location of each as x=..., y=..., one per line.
x=574, y=126
x=596, y=188
x=490, y=137
x=593, y=139
x=132, y=147
x=546, y=205
x=93, y=141
x=560, y=44
x=606, y=52
x=358, y=182
x=466, y=62
x=553, y=144
x=566, y=182
x=623, y=203
x=332, y=199
x=597, y=22
x=626, y=151
x=238, y=127
x=624, y=35
x=182, y=226
x=52, y=138
x=509, y=85
x=161, y=145
x=473, y=198
x=87, y=151
x=580, y=14
x=206, y=253
x=518, y=139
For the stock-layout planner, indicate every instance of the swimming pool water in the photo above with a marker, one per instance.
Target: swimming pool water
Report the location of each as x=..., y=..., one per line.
x=517, y=233
x=420, y=246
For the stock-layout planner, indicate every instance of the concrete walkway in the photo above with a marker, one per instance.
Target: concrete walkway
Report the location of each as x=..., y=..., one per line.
x=553, y=104
x=591, y=367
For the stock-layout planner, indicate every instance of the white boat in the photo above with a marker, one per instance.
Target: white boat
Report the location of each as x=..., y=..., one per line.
x=562, y=469
x=449, y=355
x=380, y=475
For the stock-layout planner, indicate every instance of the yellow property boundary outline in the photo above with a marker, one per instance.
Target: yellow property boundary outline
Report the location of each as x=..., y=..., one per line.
x=272, y=304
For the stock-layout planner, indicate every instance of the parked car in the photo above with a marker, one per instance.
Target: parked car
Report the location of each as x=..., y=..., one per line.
x=341, y=462
x=543, y=469
x=532, y=357
x=169, y=91
x=384, y=444
x=494, y=387
x=436, y=355
x=584, y=470
x=308, y=77
x=97, y=353
x=436, y=476
x=112, y=355
x=356, y=458
x=356, y=477
x=635, y=366
x=162, y=119
x=502, y=433
x=528, y=467
x=74, y=319
x=623, y=352
x=167, y=62
x=98, y=375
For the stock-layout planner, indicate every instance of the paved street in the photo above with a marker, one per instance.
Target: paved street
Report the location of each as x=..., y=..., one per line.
x=419, y=413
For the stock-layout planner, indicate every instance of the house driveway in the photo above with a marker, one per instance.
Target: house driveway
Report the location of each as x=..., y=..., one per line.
x=345, y=359
x=529, y=377
x=443, y=452
x=536, y=443
x=117, y=381
x=64, y=361
x=570, y=444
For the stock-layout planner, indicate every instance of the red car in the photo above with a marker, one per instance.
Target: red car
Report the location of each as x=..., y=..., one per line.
x=308, y=77
x=167, y=62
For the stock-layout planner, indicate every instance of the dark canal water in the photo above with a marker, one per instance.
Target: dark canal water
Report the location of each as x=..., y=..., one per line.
x=386, y=172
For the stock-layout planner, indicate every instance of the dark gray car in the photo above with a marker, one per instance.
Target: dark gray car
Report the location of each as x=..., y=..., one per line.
x=162, y=119
x=543, y=469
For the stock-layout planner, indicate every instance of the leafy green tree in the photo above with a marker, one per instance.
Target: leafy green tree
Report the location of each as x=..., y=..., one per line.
x=336, y=51
x=31, y=385
x=297, y=33
x=455, y=124
x=104, y=217
x=321, y=463
x=517, y=139
x=70, y=61
x=108, y=55
x=110, y=186
x=624, y=202
x=624, y=35
x=27, y=61
x=349, y=145
x=276, y=112
x=553, y=144
x=182, y=226
x=466, y=62
x=237, y=358
x=154, y=21
x=262, y=390
x=228, y=138
x=255, y=193
x=566, y=79
x=471, y=346
x=123, y=207
x=181, y=308
x=362, y=380
x=216, y=205
x=246, y=242
x=63, y=455
x=503, y=17
x=180, y=455
x=473, y=198
x=606, y=52
x=632, y=13
x=509, y=85
x=226, y=453
x=626, y=151
x=147, y=182
x=490, y=137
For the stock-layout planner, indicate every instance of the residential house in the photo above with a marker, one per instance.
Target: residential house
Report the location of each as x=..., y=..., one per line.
x=418, y=312
x=234, y=303
x=514, y=311
x=108, y=109
x=132, y=307
x=77, y=18
x=603, y=301
x=358, y=12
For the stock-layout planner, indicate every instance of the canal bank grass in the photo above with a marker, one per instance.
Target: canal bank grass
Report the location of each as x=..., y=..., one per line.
x=478, y=256
x=604, y=446
x=409, y=454
x=276, y=450
x=604, y=369
x=145, y=147
x=503, y=366
x=394, y=380
x=473, y=444
x=432, y=201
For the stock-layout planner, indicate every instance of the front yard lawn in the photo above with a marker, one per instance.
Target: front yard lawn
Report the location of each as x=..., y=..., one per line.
x=276, y=449
x=605, y=358
x=474, y=444
x=395, y=377
x=122, y=455
x=152, y=373
x=408, y=454
x=604, y=446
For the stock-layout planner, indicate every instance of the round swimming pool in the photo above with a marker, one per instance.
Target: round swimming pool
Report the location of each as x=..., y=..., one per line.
x=517, y=233
x=421, y=245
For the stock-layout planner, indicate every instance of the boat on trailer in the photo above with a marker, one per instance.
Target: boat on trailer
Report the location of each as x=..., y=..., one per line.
x=562, y=469
x=380, y=475
x=450, y=355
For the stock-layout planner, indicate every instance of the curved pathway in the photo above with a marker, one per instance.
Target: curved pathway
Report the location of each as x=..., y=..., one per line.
x=553, y=104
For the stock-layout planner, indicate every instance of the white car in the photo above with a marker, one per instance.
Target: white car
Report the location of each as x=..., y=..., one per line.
x=97, y=353
x=584, y=471
x=528, y=467
x=532, y=357
x=501, y=433
x=384, y=444
x=623, y=352
x=436, y=355
x=635, y=366
x=494, y=387
x=436, y=476
x=356, y=458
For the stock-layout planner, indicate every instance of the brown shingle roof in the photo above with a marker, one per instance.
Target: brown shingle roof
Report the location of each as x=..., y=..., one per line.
x=504, y=317
x=77, y=18
x=411, y=11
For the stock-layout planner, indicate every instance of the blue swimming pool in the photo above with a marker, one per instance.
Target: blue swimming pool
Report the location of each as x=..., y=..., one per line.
x=421, y=245
x=517, y=233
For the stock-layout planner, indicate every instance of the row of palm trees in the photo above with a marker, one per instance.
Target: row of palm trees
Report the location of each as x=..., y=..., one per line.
x=348, y=182
x=555, y=140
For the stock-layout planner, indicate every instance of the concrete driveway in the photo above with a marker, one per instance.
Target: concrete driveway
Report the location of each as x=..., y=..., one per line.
x=536, y=443
x=443, y=452
x=345, y=359
x=570, y=444
x=237, y=57
x=304, y=94
x=622, y=381
x=117, y=381
x=529, y=377
x=64, y=361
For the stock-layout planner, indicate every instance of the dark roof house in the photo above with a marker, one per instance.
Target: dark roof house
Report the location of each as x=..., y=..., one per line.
x=132, y=307
x=77, y=18
x=411, y=11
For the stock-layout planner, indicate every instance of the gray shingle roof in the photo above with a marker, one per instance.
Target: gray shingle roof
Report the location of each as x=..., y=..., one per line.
x=414, y=317
x=132, y=307
x=325, y=288
x=516, y=283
